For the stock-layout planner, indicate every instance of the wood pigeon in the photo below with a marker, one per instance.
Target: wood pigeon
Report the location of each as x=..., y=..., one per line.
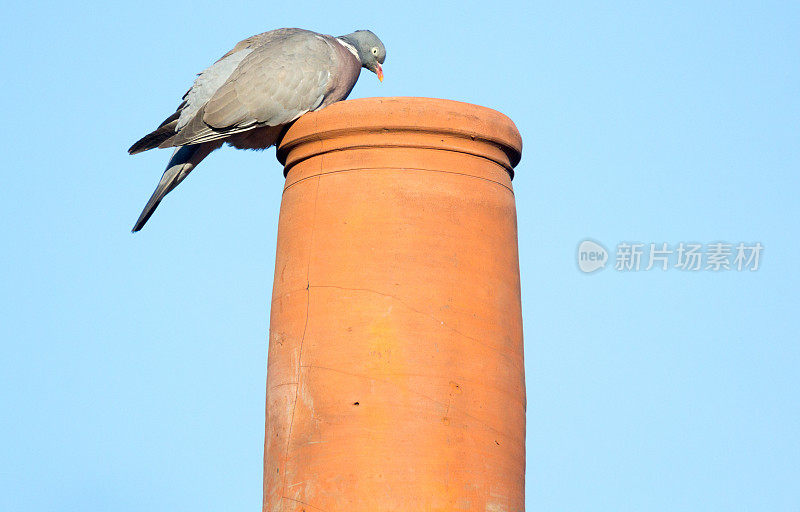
x=253, y=92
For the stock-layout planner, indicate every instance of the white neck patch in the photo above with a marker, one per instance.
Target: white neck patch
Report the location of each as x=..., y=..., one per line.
x=349, y=47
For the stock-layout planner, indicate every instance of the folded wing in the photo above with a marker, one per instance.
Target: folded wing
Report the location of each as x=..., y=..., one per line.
x=271, y=85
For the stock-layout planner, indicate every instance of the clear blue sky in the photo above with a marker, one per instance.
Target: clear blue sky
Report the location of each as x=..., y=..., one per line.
x=132, y=368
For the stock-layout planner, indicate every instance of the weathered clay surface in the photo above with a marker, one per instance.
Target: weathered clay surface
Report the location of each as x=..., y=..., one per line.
x=395, y=376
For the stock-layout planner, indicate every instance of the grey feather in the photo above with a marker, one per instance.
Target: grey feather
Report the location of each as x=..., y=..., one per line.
x=273, y=85
x=207, y=84
x=184, y=159
x=249, y=96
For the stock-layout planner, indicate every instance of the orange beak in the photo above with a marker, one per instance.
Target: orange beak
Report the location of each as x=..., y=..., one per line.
x=379, y=72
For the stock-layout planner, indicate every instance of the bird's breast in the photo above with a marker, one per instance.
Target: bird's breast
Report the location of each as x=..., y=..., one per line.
x=257, y=138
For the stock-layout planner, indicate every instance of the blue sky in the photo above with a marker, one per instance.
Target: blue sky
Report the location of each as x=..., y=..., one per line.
x=133, y=367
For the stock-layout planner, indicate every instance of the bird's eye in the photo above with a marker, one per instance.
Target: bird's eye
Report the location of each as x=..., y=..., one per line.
x=375, y=51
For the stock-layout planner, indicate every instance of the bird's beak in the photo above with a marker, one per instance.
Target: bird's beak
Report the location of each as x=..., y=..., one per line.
x=379, y=71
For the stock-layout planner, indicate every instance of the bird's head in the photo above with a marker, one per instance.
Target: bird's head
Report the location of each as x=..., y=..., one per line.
x=371, y=51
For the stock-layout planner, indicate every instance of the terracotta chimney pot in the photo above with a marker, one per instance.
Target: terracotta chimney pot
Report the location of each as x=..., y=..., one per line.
x=395, y=377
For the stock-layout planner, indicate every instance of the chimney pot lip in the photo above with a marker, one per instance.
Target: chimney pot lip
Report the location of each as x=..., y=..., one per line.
x=405, y=114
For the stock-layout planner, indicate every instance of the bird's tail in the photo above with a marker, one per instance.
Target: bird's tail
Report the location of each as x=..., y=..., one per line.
x=183, y=160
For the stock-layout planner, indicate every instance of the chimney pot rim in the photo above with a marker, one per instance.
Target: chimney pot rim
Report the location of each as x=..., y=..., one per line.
x=411, y=114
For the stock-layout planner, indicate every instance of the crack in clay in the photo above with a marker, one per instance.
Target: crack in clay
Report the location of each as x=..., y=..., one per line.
x=286, y=294
x=283, y=384
x=302, y=338
x=303, y=503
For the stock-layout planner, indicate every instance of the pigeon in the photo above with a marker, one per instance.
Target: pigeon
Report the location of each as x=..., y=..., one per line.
x=251, y=94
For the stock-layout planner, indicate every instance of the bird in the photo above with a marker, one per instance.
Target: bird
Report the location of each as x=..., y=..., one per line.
x=250, y=95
